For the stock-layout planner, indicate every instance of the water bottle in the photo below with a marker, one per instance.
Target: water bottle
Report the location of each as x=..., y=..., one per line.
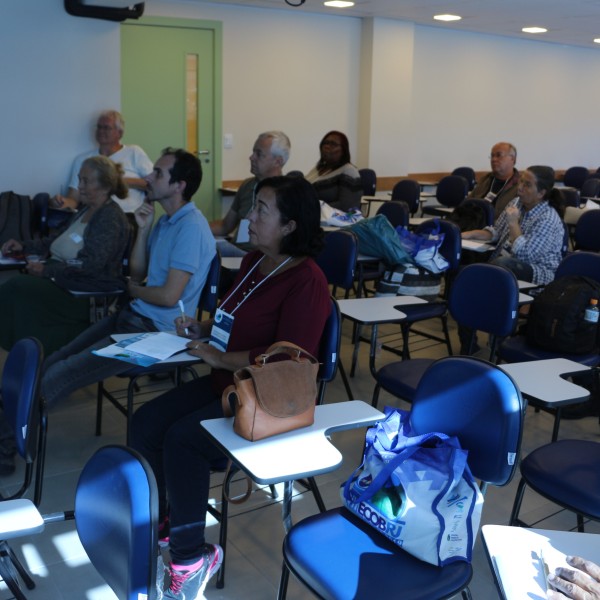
x=591, y=312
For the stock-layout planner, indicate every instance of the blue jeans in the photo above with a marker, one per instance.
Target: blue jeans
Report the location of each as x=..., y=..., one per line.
x=74, y=366
x=522, y=270
x=166, y=431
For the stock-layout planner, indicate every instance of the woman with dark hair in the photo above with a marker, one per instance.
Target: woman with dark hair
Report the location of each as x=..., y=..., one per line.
x=335, y=178
x=86, y=253
x=529, y=233
x=279, y=294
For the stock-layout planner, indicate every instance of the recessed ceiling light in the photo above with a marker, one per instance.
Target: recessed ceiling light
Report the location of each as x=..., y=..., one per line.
x=534, y=30
x=447, y=18
x=338, y=3
x=597, y=41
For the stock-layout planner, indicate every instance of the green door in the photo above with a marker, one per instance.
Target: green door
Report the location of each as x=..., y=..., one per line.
x=171, y=93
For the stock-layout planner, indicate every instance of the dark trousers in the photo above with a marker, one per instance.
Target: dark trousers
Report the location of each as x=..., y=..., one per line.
x=166, y=431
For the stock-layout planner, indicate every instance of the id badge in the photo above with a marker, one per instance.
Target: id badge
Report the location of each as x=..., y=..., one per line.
x=76, y=238
x=221, y=330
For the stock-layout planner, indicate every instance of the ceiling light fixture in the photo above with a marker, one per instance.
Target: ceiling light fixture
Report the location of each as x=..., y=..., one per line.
x=596, y=40
x=447, y=18
x=338, y=3
x=534, y=30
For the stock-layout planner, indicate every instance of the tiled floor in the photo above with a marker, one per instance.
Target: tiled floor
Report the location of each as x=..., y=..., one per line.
x=62, y=571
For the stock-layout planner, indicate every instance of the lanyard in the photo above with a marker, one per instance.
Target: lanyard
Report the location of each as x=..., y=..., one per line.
x=287, y=260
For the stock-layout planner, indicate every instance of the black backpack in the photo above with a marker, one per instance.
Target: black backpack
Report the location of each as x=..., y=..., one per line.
x=15, y=217
x=556, y=319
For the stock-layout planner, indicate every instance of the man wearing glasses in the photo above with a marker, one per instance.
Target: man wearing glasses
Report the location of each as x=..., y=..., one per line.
x=500, y=185
x=136, y=164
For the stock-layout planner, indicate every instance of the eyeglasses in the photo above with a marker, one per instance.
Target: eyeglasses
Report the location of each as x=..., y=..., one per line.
x=330, y=143
x=499, y=154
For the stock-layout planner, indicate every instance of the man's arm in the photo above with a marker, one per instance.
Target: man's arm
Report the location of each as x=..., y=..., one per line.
x=163, y=295
x=137, y=183
x=226, y=225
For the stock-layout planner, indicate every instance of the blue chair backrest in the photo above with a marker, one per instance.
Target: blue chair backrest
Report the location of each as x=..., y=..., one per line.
x=409, y=191
x=486, y=206
x=485, y=297
x=587, y=231
x=481, y=405
x=575, y=176
x=21, y=395
x=329, y=349
x=209, y=297
x=468, y=173
x=337, y=260
x=451, y=190
x=116, y=515
x=396, y=213
x=451, y=246
x=580, y=263
x=368, y=179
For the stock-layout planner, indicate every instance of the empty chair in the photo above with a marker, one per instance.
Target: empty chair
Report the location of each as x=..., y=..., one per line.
x=337, y=260
x=396, y=213
x=368, y=179
x=575, y=176
x=570, y=196
x=25, y=413
x=486, y=207
x=468, y=173
x=450, y=192
x=409, y=191
x=483, y=297
x=587, y=231
x=338, y=556
x=566, y=472
x=590, y=187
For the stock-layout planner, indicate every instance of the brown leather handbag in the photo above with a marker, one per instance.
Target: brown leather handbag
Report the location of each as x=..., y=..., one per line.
x=274, y=395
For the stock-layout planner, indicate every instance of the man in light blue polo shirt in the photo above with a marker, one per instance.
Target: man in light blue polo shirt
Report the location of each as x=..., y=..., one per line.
x=172, y=258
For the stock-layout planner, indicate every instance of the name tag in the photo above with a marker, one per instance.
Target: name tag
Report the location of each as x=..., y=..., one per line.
x=221, y=330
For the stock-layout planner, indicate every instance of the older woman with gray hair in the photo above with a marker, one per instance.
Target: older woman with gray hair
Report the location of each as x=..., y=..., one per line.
x=86, y=254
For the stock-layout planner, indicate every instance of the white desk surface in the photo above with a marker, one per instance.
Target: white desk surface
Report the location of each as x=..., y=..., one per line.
x=476, y=245
x=376, y=310
x=542, y=381
x=231, y=262
x=515, y=556
x=300, y=453
x=525, y=299
x=527, y=285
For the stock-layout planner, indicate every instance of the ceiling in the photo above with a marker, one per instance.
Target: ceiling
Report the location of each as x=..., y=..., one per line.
x=572, y=22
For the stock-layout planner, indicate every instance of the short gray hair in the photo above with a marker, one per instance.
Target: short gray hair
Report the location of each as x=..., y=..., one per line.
x=116, y=116
x=280, y=144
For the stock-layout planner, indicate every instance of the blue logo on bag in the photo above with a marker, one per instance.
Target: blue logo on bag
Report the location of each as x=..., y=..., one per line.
x=456, y=500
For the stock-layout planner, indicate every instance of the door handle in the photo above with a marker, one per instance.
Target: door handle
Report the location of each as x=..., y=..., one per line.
x=205, y=153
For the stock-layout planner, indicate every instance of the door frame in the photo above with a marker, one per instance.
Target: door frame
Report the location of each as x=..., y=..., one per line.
x=217, y=29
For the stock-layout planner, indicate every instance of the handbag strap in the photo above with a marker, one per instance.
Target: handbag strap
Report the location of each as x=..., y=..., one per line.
x=289, y=348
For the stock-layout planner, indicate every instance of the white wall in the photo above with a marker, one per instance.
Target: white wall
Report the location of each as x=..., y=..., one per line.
x=436, y=98
x=56, y=71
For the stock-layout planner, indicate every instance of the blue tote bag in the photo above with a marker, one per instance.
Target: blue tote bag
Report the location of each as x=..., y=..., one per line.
x=417, y=491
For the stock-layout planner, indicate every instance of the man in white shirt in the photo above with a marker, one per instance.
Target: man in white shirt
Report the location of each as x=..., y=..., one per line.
x=135, y=163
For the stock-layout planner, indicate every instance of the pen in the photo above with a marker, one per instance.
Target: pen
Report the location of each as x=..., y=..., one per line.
x=183, y=316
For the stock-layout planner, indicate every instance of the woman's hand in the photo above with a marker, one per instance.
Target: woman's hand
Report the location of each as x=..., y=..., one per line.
x=209, y=354
x=188, y=327
x=582, y=583
x=512, y=215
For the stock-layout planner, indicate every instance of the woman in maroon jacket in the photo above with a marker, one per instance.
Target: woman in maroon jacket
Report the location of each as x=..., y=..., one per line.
x=279, y=294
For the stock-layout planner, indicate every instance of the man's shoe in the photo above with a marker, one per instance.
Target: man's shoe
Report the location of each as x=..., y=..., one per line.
x=188, y=581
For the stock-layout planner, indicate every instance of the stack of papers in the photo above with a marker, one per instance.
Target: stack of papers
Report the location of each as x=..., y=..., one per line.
x=145, y=349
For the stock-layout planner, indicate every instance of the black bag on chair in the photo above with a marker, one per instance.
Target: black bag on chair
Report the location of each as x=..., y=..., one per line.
x=556, y=319
x=15, y=217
